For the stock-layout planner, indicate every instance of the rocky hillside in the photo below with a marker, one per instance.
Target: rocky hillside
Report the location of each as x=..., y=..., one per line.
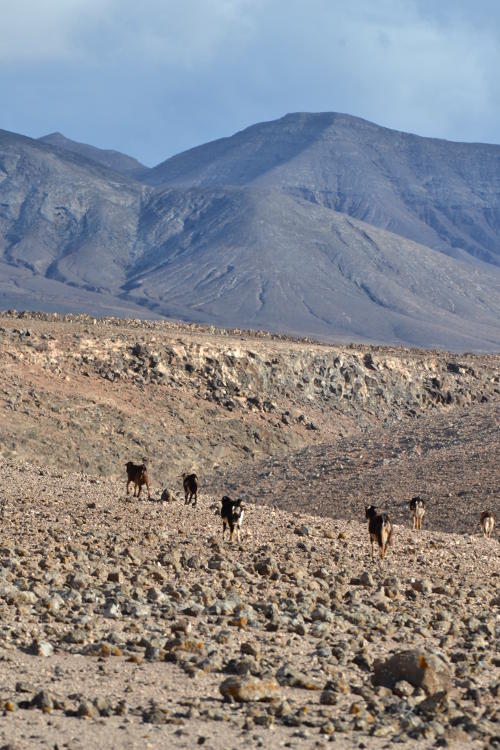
x=90, y=394
x=438, y=193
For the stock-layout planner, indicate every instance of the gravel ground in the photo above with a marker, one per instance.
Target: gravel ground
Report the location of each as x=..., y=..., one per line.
x=121, y=619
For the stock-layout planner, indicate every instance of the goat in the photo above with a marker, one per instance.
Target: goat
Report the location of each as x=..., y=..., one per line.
x=379, y=528
x=487, y=523
x=232, y=516
x=190, y=482
x=138, y=474
x=417, y=507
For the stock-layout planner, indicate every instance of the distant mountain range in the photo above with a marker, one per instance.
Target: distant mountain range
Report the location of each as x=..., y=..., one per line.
x=315, y=224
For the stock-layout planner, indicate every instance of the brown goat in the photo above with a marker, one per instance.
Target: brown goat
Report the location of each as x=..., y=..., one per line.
x=138, y=474
x=379, y=528
x=487, y=523
x=417, y=507
x=190, y=482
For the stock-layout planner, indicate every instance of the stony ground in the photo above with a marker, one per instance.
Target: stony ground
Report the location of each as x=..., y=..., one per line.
x=122, y=617
x=129, y=623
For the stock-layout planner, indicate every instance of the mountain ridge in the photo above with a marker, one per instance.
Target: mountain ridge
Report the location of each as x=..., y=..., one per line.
x=115, y=160
x=267, y=254
x=391, y=179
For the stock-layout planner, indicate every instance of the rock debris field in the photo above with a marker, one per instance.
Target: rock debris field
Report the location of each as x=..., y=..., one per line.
x=130, y=623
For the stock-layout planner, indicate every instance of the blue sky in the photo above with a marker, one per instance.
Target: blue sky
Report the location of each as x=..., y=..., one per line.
x=156, y=77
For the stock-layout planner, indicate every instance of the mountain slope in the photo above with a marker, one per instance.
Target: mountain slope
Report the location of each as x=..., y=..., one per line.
x=122, y=163
x=77, y=236
x=442, y=194
x=256, y=259
x=59, y=210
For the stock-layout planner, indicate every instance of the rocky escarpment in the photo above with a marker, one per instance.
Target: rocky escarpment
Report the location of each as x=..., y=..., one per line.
x=191, y=395
x=236, y=374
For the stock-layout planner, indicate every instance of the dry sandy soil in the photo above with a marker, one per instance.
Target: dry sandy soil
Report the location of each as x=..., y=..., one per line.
x=121, y=618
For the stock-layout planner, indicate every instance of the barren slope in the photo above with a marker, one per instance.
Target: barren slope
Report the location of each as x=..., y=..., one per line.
x=263, y=259
x=80, y=237
x=439, y=193
x=450, y=459
x=93, y=396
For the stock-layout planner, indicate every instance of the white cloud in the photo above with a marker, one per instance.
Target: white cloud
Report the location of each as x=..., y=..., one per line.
x=34, y=31
x=182, y=33
x=175, y=73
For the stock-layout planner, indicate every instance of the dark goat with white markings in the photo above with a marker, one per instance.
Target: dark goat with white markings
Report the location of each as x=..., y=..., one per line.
x=232, y=516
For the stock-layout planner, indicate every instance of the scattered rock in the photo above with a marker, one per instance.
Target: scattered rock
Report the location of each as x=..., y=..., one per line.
x=250, y=689
x=420, y=669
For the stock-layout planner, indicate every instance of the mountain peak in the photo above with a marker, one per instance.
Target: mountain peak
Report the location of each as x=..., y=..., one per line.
x=121, y=163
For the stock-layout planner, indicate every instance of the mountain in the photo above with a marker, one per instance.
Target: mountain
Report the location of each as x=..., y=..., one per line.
x=441, y=194
x=269, y=260
x=122, y=163
x=67, y=228
x=76, y=235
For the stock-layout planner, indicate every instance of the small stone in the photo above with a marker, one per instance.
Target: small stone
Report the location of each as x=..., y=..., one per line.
x=104, y=706
x=152, y=652
x=167, y=496
x=303, y=530
x=44, y=648
x=328, y=698
x=112, y=610
x=44, y=701
x=327, y=728
x=403, y=689
x=423, y=586
x=251, y=649
x=249, y=689
x=266, y=567
x=436, y=703
x=366, y=579
x=288, y=675
x=156, y=715
x=86, y=709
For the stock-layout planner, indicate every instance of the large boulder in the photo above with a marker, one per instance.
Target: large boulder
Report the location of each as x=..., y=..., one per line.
x=420, y=669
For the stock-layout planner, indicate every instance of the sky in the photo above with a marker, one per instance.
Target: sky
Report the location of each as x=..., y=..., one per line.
x=156, y=77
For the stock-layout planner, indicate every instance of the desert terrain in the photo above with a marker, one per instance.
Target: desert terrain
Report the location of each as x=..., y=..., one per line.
x=130, y=623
